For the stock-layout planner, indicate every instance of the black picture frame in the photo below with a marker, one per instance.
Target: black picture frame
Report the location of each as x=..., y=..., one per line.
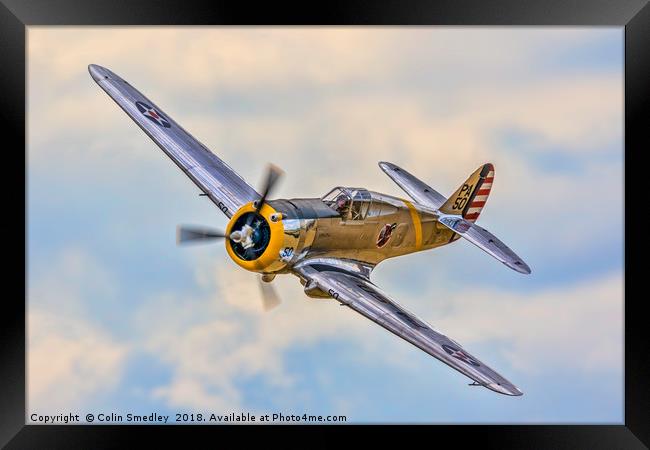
x=16, y=15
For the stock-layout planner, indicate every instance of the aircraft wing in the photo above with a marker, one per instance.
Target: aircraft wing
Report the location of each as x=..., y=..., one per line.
x=416, y=189
x=214, y=177
x=486, y=241
x=358, y=293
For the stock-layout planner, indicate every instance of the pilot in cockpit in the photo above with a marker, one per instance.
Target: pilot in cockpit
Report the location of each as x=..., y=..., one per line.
x=342, y=204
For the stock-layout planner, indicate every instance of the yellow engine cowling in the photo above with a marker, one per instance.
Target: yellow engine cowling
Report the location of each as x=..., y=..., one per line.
x=280, y=247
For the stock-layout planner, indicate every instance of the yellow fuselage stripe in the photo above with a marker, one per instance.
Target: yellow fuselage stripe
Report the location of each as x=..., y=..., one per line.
x=417, y=224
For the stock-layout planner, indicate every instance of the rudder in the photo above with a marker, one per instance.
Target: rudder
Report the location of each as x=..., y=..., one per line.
x=470, y=198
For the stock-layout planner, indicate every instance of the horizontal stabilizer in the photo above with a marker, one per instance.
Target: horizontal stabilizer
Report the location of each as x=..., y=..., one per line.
x=486, y=241
x=416, y=189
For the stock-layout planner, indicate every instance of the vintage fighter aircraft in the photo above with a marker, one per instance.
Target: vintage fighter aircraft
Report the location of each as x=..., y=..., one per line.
x=331, y=243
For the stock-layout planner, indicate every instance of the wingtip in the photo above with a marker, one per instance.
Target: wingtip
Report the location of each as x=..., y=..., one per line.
x=519, y=266
x=96, y=71
x=510, y=390
x=385, y=165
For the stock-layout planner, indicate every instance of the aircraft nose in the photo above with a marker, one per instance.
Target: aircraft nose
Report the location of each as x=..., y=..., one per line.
x=97, y=72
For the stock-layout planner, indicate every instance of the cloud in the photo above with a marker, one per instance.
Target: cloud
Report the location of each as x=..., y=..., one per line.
x=70, y=356
x=439, y=133
x=578, y=326
x=215, y=343
x=363, y=113
x=367, y=83
x=288, y=56
x=325, y=104
x=69, y=361
x=69, y=282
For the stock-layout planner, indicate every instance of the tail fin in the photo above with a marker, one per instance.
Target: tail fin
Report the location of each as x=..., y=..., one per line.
x=470, y=198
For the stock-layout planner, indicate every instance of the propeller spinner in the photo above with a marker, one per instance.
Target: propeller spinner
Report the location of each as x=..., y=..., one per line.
x=249, y=239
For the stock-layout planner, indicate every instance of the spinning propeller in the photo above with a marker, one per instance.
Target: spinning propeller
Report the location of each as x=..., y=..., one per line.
x=189, y=234
x=272, y=176
x=186, y=234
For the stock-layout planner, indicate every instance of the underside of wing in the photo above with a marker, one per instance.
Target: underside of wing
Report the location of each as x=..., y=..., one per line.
x=415, y=188
x=214, y=177
x=359, y=294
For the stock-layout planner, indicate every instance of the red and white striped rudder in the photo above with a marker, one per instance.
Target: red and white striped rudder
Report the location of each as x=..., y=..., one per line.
x=469, y=199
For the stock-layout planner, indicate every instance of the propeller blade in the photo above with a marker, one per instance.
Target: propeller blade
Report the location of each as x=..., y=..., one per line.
x=273, y=174
x=188, y=234
x=270, y=298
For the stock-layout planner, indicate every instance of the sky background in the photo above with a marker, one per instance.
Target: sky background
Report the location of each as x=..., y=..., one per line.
x=122, y=320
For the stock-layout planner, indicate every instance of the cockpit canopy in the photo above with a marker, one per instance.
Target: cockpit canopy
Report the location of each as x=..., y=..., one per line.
x=350, y=203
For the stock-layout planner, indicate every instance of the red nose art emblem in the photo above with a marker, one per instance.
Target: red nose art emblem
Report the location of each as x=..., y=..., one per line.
x=385, y=234
x=152, y=114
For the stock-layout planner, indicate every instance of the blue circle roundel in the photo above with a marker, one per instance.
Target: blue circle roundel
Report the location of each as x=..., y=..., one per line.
x=152, y=114
x=460, y=354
